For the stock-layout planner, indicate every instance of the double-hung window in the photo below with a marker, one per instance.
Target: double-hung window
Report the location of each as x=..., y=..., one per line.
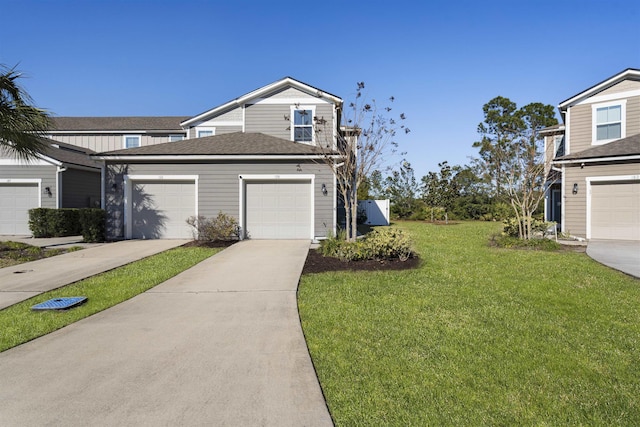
x=608, y=122
x=175, y=138
x=202, y=132
x=131, y=141
x=302, y=126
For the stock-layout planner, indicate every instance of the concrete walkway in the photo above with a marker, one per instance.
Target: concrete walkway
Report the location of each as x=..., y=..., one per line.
x=219, y=345
x=622, y=255
x=23, y=281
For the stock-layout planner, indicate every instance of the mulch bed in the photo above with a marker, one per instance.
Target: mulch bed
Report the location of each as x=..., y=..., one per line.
x=316, y=263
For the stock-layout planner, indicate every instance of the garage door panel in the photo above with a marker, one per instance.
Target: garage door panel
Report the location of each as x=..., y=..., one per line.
x=160, y=209
x=16, y=200
x=615, y=210
x=278, y=210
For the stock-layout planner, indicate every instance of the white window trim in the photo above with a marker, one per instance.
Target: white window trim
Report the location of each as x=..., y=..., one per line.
x=173, y=135
x=124, y=140
x=613, y=178
x=313, y=114
x=594, y=120
x=205, y=128
x=242, y=181
x=128, y=195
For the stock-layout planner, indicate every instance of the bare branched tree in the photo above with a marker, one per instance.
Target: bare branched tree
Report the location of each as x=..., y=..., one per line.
x=360, y=145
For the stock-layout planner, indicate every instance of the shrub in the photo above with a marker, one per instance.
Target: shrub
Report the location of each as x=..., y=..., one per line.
x=221, y=228
x=511, y=226
x=382, y=243
x=510, y=242
x=92, y=224
x=38, y=223
x=63, y=222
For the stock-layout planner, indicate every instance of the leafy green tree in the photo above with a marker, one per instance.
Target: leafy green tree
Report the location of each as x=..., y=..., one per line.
x=21, y=124
x=402, y=190
x=441, y=189
x=511, y=155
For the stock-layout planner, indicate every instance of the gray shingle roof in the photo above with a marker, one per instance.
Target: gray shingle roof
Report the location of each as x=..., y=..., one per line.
x=238, y=143
x=623, y=147
x=69, y=154
x=168, y=123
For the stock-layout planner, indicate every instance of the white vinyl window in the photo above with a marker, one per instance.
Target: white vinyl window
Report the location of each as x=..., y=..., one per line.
x=131, y=141
x=608, y=122
x=302, y=124
x=175, y=138
x=202, y=132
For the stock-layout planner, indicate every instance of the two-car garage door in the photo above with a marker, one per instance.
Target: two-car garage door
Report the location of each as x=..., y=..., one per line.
x=15, y=201
x=615, y=210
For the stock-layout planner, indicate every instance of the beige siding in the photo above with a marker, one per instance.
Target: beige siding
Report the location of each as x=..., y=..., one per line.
x=581, y=128
x=228, y=129
x=575, y=205
x=624, y=86
x=46, y=173
x=633, y=116
x=218, y=187
x=293, y=93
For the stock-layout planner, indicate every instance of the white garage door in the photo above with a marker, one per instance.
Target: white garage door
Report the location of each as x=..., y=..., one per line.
x=160, y=209
x=15, y=202
x=278, y=209
x=615, y=211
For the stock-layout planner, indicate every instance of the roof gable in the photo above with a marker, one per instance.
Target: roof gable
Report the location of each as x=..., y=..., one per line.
x=262, y=92
x=629, y=73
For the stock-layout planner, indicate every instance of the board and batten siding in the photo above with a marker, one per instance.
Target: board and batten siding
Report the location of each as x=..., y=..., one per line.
x=575, y=205
x=109, y=142
x=218, y=187
x=80, y=188
x=46, y=173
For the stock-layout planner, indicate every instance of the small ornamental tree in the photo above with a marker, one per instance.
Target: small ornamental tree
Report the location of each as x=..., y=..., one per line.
x=364, y=141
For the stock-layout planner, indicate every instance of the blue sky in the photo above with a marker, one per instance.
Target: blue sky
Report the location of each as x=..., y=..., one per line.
x=441, y=60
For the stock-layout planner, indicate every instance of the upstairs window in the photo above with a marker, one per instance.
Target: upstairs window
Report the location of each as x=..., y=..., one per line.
x=608, y=122
x=176, y=138
x=131, y=141
x=303, y=124
x=202, y=132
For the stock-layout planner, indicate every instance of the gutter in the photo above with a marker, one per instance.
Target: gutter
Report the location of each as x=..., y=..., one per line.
x=596, y=159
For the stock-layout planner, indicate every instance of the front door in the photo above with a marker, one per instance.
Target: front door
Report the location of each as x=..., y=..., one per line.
x=556, y=206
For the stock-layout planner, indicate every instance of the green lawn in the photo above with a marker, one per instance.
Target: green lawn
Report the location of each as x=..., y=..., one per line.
x=476, y=336
x=19, y=324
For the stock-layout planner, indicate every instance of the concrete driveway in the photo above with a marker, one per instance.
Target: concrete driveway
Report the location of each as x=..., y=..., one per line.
x=220, y=344
x=622, y=255
x=23, y=281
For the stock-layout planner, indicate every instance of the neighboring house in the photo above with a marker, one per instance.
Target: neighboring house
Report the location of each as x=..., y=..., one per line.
x=593, y=184
x=253, y=158
x=62, y=177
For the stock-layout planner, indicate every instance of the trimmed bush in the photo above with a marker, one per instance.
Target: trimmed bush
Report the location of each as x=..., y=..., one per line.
x=92, y=224
x=382, y=243
x=63, y=222
x=221, y=228
x=38, y=222
x=511, y=226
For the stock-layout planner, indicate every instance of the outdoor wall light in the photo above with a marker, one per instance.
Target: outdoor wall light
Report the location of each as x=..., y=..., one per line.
x=47, y=190
x=575, y=188
x=324, y=189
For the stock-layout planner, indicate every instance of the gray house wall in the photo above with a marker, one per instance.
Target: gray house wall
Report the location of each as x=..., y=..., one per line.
x=79, y=188
x=47, y=173
x=218, y=187
x=270, y=118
